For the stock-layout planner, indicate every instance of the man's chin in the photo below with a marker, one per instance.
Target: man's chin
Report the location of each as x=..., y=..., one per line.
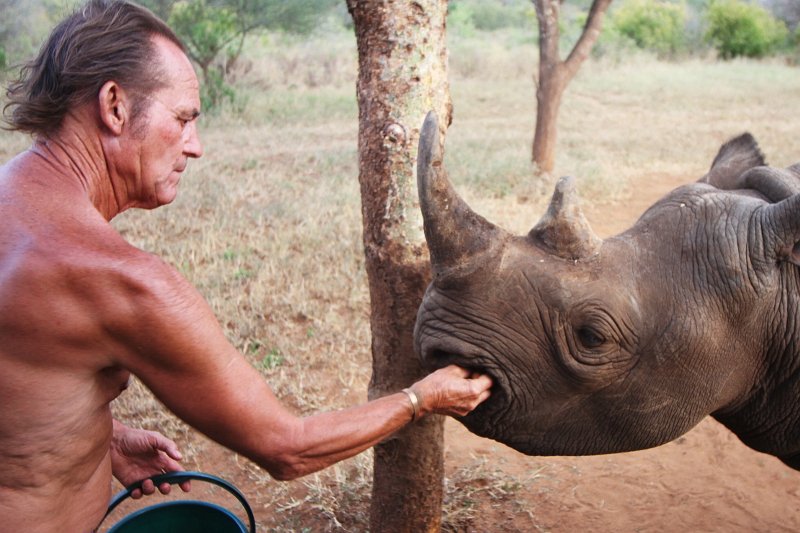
x=166, y=199
x=166, y=195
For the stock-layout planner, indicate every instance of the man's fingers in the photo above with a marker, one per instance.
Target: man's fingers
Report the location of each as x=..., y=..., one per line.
x=483, y=381
x=172, y=451
x=186, y=486
x=169, y=464
x=457, y=371
x=148, y=487
x=165, y=488
x=168, y=446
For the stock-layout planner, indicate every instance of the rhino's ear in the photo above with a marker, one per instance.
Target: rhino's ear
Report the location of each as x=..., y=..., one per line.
x=563, y=230
x=781, y=230
x=776, y=184
x=734, y=158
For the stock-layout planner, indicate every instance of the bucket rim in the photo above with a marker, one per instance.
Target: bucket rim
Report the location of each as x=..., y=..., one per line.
x=174, y=478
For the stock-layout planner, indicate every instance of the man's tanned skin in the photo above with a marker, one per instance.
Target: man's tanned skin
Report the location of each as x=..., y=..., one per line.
x=81, y=309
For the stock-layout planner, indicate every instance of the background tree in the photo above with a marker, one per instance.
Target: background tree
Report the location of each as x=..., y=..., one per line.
x=402, y=74
x=207, y=30
x=555, y=74
x=6, y=29
x=162, y=8
x=23, y=25
x=214, y=31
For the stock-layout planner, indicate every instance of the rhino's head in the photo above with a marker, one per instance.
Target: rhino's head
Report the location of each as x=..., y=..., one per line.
x=600, y=346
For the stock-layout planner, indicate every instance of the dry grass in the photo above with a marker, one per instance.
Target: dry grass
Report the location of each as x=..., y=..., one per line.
x=268, y=224
x=478, y=487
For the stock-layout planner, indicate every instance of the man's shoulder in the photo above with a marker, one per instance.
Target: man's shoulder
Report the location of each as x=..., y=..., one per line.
x=88, y=260
x=83, y=248
x=117, y=265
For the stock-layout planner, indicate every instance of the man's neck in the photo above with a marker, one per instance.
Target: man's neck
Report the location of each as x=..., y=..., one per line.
x=76, y=155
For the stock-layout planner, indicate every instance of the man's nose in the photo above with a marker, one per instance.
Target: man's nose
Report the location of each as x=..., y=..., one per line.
x=193, y=146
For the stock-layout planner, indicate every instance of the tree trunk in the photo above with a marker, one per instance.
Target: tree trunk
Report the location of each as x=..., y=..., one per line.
x=548, y=100
x=555, y=75
x=402, y=75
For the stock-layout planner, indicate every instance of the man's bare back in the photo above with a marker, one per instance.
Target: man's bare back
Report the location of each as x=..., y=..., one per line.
x=57, y=376
x=81, y=310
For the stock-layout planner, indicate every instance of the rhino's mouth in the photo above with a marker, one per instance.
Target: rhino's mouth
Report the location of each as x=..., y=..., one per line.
x=437, y=358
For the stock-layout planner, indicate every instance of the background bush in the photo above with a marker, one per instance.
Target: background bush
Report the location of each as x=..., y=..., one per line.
x=227, y=36
x=653, y=25
x=737, y=28
x=471, y=15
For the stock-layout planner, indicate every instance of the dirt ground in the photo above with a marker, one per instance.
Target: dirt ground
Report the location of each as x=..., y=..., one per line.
x=706, y=481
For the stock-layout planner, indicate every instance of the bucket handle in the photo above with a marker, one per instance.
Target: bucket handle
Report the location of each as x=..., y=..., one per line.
x=174, y=478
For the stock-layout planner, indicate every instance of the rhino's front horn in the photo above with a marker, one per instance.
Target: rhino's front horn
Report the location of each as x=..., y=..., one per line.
x=454, y=232
x=563, y=230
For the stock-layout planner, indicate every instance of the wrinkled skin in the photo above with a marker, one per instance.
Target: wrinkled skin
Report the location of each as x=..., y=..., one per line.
x=601, y=346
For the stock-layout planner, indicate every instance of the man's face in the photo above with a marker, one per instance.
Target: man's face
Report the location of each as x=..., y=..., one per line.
x=165, y=136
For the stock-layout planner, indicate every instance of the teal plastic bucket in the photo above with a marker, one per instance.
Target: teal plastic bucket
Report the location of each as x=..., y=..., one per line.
x=183, y=516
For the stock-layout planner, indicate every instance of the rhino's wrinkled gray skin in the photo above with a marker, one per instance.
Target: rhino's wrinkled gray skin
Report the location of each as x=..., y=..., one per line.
x=600, y=346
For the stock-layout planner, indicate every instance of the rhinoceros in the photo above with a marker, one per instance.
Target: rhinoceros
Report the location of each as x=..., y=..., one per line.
x=601, y=346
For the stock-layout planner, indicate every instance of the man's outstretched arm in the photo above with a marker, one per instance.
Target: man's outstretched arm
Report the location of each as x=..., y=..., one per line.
x=170, y=339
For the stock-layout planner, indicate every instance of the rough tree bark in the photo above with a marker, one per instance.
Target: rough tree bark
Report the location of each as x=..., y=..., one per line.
x=402, y=75
x=555, y=75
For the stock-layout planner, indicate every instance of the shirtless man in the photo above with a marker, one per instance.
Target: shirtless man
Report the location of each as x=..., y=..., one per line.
x=112, y=103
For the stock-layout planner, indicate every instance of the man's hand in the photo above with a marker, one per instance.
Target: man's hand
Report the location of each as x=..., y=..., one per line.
x=137, y=454
x=452, y=391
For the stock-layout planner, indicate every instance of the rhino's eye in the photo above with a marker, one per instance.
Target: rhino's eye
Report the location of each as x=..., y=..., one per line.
x=590, y=338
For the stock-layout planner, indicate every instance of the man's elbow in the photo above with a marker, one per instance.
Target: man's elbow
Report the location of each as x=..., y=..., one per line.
x=287, y=469
x=287, y=458
x=285, y=475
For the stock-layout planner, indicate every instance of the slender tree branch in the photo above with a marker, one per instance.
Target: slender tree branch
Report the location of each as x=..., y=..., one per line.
x=590, y=34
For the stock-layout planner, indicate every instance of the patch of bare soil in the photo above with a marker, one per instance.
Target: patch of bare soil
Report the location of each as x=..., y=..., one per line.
x=705, y=481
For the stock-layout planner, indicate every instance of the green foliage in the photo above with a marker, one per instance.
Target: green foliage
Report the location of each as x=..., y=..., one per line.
x=794, y=46
x=655, y=25
x=460, y=19
x=272, y=360
x=162, y=8
x=205, y=29
x=467, y=16
x=214, y=32
x=297, y=16
x=612, y=44
x=23, y=26
x=737, y=28
x=215, y=90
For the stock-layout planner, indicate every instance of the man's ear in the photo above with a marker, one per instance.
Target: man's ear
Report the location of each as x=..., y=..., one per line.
x=114, y=106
